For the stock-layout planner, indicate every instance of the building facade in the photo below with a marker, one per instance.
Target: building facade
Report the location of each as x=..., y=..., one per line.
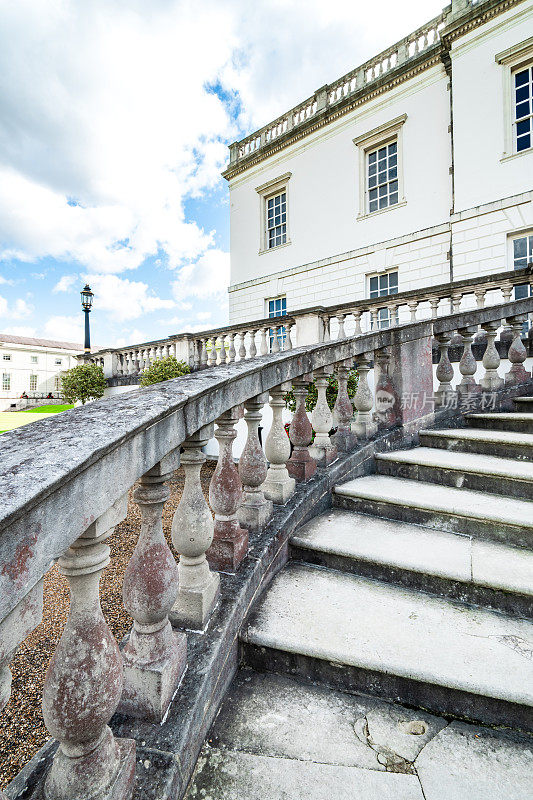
x=414, y=169
x=33, y=366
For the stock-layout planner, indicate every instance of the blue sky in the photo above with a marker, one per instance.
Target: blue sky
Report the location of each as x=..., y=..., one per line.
x=115, y=116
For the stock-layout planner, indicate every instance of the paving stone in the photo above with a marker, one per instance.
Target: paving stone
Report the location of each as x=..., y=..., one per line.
x=465, y=762
x=400, y=730
x=230, y=775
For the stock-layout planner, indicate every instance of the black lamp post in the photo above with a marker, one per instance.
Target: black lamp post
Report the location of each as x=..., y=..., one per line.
x=86, y=304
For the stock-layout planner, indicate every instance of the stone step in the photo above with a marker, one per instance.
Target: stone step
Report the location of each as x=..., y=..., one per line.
x=514, y=421
x=492, y=517
x=524, y=404
x=477, y=471
x=446, y=564
x=424, y=651
x=507, y=444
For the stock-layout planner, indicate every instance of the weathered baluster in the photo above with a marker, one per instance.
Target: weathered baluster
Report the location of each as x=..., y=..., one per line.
x=357, y=317
x=363, y=426
x=192, y=534
x=230, y=541
x=278, y=485
x=326, y=336
x=83, y=685
x=212, y=360
x=393, y=314
x=322, y=450
x=231, y=349
x=434, y=305
x=374, y=316
x=491, y=358
x=343, y=439
x=412, y=305
x=155, y=656
x=301, y=465
x=480, y=297
x=507, y=334
x=264, y=342
x=242, y=346
x=467, y=365
x=387, y=403
x=288, y=345
x=253, y=347
x=275, y=339
x=196, y=355
x=445, y=394
x=340, y=319
x=222, y=352
x=517, y=353
x=255, y=510
x=203, y=354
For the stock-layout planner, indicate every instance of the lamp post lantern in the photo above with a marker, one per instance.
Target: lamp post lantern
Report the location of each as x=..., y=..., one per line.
x=86, y=304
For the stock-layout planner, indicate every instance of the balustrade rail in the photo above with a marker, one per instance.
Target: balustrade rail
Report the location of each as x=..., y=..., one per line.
x=312, y=325
x=63, y=487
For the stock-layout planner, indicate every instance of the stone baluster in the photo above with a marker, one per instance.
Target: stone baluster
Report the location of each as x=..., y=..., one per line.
x=363, y=426
x=322, y=450
x=264, y=342
x=393, y=314
x=434, y=305
x=412, y=305
x=253, y=347
x=507, y=334
x=222, y=352
x=196, y=355
x=255, y=510
x=203, y=354
x=340, y=320
x=357, y=317
x=467, y=365
x=279, y=485
x=242, y=346
x=288, y=345
x=231, y=348
x=155, y=656
x=230, y=541
x=517, y=353
x=445, y=394
x=301, y=465
x=480, y=295
x=455, y=302
x=83, y=686
x=326, y=337
x=192, y=534
x=275, y=339
x=343, y=439
x=374, y=316
x=212, y=360
x=491, y=358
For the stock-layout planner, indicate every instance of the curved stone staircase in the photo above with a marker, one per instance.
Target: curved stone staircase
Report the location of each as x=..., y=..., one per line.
x=415, y=588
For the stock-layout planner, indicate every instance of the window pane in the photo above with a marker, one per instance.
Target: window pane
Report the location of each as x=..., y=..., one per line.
x=522, y=77
x=372, y=180
x=383, y=281
x=523, y=143
x=383, y=190
x=383, y=201
x=393, y=160
x=393, y=279
x=520, y=247
x=373, y=284
x=393, y=199
x=522, y=110
x=393, y=147
x=372, y=158
x=373, y=194
x=382, y=153
x=393, y=186
x=393, y=173
x=372, y=169
x=373, y=205
x=522, y=127
x=522, y=94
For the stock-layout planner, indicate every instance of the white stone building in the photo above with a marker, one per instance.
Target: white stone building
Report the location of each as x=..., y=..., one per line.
x=33, y=366
x=413, y=170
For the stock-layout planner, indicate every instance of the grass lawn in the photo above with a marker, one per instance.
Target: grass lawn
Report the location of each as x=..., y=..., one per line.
x=45, y=409
x=9, y=420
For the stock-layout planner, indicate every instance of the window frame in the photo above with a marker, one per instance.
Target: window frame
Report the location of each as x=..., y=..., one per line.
x=282, y=335
x=379, y=275
x=366, y=144
x=4, y=376
x=34, y=359
x=6, y=357
x=58, y=362
x=266, y=192
x=33, y=388
x=513, y=60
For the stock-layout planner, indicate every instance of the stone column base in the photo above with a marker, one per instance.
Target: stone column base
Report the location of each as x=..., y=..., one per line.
x=345, y=440
x=229, y=547
x=194, y=606
x=323, y=455
x=300, y=465
x=148, y=689
x=255, y=515
x=517, y=374
x=279, y=490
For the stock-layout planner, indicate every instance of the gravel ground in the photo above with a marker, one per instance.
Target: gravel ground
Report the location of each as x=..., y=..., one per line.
x=22, y=731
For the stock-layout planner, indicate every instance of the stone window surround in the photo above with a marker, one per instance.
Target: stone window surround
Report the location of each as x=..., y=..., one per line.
x=265, y=191
x=519, y=233
x=521, y=55
x=383, y=134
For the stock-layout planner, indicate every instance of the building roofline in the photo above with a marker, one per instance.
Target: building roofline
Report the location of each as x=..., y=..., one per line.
x=7, y=338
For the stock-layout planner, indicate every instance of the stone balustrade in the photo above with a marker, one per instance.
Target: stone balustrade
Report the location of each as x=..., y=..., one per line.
x=63, y=484
x=312, y=325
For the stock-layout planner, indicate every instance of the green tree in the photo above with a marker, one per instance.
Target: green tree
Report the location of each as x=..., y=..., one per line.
x=331, y=392
x=84, y=382
x=163, y=370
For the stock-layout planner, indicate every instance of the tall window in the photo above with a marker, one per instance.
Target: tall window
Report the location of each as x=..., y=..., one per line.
x=277, y=307
x=57, y=383
x=382, y=177
x=381, y=286
x=58, y=362
x=6, y=381
x=33, y=383
x=523, y=108
x=276, y=221
x=6, y=356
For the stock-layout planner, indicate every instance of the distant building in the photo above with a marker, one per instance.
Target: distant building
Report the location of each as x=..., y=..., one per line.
x=414, y=169
x=33, y=366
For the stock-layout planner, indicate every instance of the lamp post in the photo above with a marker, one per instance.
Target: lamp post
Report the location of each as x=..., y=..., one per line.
x=86, y=304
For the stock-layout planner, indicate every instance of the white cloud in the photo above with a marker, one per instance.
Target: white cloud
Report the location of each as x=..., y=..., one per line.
x=65, y=283
x=124, y=298
x=18, y=310
x=209, y=276
x=6, y=281
x=65, y=329
x=20, y=330
x=203, y=315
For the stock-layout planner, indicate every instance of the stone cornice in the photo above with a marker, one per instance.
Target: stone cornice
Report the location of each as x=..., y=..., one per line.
x=476, y=16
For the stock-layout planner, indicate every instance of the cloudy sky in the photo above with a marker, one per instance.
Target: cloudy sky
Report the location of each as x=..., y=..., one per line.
x=115, y=116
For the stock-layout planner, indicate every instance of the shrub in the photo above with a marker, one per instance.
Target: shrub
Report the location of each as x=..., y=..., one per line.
x=163, y=370
x=331, y=392
x=84, y=382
